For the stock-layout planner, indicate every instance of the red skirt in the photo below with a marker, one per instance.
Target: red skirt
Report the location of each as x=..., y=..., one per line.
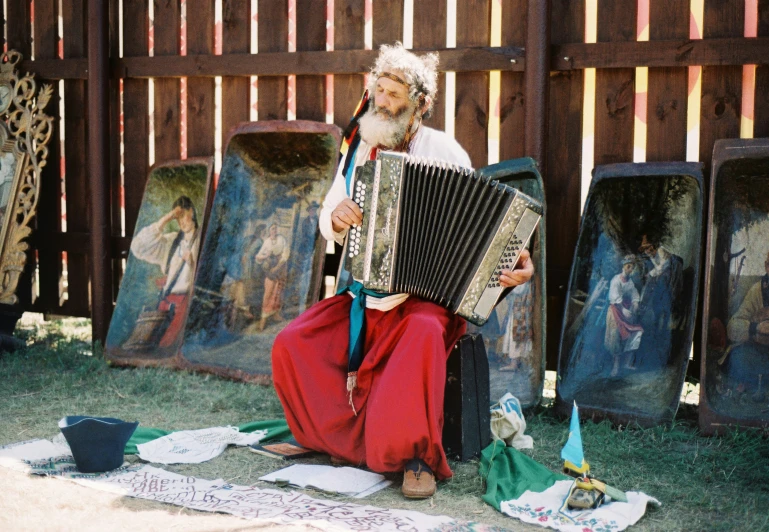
x=399, y=397
x=177, y=322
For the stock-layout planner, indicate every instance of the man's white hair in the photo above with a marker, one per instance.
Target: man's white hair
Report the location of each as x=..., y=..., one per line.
x=420, y=72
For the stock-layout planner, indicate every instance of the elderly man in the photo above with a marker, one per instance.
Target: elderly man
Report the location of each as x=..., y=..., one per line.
x=387, y=415
x=748, y=331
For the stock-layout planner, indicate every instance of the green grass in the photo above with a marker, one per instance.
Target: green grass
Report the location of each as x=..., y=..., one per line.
x=717, y=483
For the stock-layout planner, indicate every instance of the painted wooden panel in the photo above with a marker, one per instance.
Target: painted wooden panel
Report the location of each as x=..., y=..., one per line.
x=514, y=336
x=148, y=323
x=262, y=258
x=735, y=365
x=632, y=299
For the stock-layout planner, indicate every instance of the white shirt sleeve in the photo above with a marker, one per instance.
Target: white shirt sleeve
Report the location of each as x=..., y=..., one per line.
x=152, y=245
x=615, y=291
x=335, y=195
x=440, y=146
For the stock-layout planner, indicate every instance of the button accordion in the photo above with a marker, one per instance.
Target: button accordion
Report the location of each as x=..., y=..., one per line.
x=437, y=231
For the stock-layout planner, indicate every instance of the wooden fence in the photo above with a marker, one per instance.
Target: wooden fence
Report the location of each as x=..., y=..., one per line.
x=580, y=94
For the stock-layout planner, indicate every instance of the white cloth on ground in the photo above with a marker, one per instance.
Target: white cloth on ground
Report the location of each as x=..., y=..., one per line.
x=195, y=446
x=265, y=506
x=543, y=509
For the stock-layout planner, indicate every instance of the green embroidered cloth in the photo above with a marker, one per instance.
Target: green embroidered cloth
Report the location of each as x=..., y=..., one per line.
x=509, y=473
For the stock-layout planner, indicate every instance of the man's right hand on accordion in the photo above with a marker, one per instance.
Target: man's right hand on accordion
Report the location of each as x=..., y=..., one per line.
x=345, y=214
x=523, y=271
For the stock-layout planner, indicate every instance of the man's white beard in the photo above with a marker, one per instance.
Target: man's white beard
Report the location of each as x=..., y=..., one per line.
x=378, y=128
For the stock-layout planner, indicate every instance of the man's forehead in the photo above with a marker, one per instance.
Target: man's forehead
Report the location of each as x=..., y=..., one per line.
x=393, y=81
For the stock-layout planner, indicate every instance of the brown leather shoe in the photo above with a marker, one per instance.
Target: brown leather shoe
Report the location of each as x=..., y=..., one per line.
x=418, y=480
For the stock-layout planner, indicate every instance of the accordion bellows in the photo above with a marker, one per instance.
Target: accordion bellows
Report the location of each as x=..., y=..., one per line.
x=437, y=231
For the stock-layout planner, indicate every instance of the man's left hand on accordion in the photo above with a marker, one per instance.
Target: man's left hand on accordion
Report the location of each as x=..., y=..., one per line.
x=523, y=271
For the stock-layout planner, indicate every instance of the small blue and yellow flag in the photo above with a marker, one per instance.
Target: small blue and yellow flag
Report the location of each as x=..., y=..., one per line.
x=572, y=454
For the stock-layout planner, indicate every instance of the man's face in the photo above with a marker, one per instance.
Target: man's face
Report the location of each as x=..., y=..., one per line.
x=649, y=250
x=627, y=269
x=386, y=122
x=273, y=231
x=391, y=98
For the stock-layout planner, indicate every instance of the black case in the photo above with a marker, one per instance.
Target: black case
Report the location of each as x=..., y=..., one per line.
x=466, y=418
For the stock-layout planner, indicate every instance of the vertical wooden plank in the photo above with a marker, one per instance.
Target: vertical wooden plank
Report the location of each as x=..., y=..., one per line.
x=167, y=90
x=536, y=78
x=615, y=88
x=200, y=91
x=117, y=191
x=721, y=98
x=236, y=38
x=761, y=115
x=99, y=168
x=511, y=98
x=387, y=23
x=49, y=204
x=564, y=163
x=76, y=181
x=667, y=95
x=430, y=34
x=18, y=26
x=273, y=37
x=472, y=93
x=348, y=35
x=720, y=109
x=46, y=29
x=135, y=112
x=310, y=35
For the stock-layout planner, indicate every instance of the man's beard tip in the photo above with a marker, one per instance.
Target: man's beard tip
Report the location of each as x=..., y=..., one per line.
x=389, y=132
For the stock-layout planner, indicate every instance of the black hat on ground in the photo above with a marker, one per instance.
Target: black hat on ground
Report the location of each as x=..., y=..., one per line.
x=97, y=443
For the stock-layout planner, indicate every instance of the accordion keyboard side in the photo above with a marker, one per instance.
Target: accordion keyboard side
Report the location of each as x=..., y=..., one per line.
x=510, y=239
x=357, y=249
x=383, y=226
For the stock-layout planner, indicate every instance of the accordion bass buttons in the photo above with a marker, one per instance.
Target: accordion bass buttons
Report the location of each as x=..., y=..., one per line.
x=506, y=261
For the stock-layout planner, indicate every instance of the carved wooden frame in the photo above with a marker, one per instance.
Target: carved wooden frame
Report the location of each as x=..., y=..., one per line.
x=25, y=131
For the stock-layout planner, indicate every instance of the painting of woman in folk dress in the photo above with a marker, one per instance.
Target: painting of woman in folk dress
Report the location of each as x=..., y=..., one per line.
x=632, y=296
x=155, y=292
x=176, y=254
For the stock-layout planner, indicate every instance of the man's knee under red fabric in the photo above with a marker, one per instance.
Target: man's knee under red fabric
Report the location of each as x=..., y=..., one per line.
x=399, y=398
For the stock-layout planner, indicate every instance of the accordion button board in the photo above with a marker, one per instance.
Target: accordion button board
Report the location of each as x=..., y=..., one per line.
x=437, y=231
x=359, y=196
